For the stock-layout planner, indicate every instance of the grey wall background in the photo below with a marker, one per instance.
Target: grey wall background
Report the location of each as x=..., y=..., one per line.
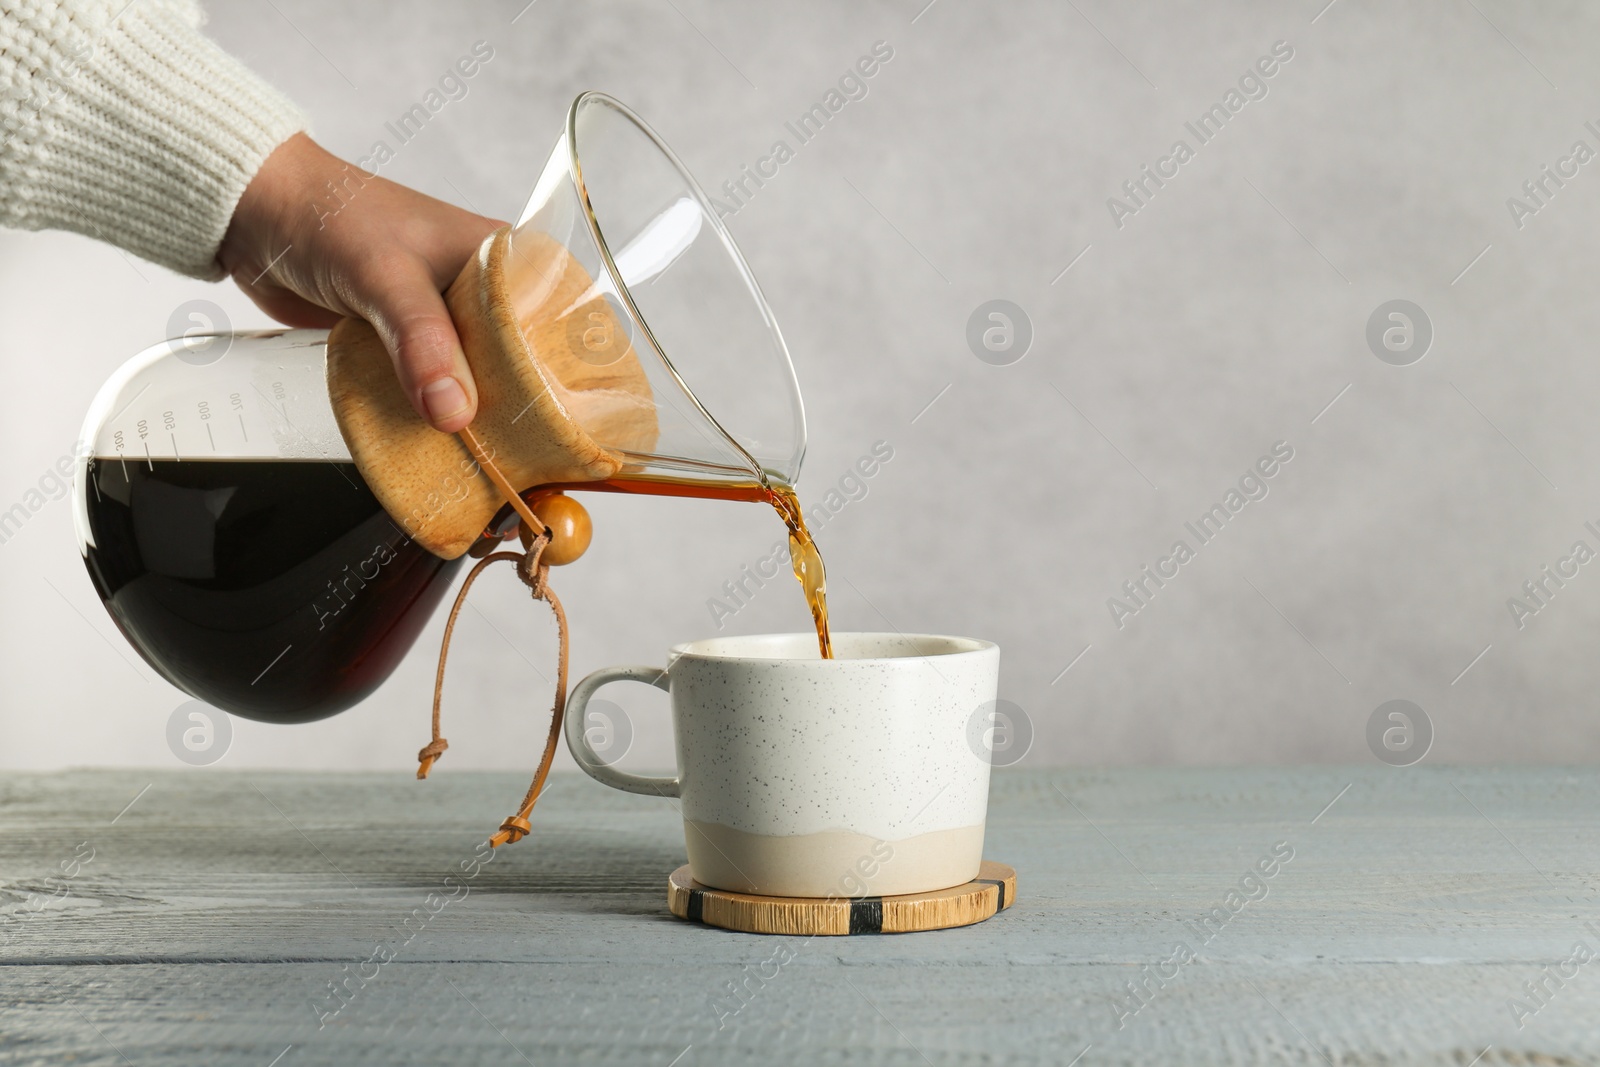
x=1168, y=354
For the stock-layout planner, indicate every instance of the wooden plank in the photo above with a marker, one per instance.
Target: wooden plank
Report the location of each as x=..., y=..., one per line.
x=221, y=910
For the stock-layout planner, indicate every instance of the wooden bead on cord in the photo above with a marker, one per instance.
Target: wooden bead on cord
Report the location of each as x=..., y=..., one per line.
x=570, y=528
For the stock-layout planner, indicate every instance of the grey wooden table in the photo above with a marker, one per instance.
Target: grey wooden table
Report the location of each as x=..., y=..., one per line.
x=207, y=918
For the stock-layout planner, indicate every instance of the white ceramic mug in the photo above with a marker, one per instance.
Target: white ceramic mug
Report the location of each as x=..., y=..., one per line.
x=806, y=777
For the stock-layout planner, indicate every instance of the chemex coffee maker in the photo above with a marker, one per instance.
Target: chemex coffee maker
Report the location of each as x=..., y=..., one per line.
x=270, y=523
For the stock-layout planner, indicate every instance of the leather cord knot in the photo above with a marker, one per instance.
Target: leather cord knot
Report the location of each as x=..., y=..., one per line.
x=429, y=755
x=514, y=829
x=533, y=573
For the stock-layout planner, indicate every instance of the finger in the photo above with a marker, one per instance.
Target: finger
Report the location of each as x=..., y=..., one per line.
x=411, y=318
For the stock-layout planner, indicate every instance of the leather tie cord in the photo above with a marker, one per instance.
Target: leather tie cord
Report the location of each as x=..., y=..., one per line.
x=535, y=575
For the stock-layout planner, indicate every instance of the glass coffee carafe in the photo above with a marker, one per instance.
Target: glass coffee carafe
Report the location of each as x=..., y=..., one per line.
x=236, y=543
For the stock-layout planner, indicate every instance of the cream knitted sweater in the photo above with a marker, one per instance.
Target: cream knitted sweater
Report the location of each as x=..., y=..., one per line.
x=120, y=120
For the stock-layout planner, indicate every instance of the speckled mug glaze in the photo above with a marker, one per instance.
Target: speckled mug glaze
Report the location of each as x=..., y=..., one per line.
x=808, y=777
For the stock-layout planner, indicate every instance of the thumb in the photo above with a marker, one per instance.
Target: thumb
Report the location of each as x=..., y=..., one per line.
x=411, y=317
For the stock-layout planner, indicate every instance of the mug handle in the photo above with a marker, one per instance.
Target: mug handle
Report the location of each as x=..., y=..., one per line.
x=578, y=743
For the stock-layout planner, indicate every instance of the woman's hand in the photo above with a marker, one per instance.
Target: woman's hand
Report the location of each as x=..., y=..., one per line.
x=315, y=239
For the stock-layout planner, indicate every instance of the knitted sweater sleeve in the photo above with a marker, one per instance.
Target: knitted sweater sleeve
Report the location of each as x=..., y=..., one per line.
x=120, y=120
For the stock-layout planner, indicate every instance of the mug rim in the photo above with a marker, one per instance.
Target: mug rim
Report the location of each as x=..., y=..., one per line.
x=697, y=650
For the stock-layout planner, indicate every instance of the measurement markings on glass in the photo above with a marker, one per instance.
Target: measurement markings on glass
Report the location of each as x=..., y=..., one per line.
x=204, y=408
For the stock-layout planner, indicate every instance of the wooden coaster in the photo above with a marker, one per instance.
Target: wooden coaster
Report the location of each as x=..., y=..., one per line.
x=992, y=891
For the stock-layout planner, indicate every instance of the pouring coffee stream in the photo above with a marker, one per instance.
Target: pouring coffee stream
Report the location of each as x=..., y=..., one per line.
x=270, y=523
x=804, y=555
